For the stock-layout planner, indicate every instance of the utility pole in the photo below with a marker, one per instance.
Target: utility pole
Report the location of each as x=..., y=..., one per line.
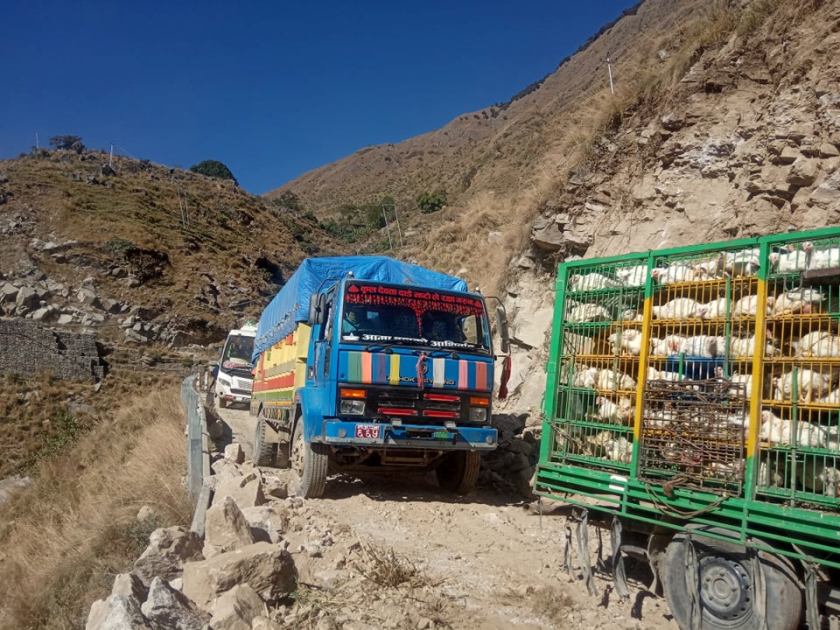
x=387, y=229
x=37, y=144
x=111, y=157
x=609, y=72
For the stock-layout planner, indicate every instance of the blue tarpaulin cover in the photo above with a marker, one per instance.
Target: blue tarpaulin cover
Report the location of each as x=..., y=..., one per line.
x=291, y=304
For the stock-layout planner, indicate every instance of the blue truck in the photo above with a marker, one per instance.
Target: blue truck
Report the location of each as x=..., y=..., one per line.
x=367, y=363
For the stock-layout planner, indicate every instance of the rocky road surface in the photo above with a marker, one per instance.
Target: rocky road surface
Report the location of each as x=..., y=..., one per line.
x=483, y=561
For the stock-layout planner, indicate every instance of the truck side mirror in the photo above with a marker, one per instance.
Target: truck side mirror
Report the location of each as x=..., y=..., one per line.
x=314, y=309
x=502, y=327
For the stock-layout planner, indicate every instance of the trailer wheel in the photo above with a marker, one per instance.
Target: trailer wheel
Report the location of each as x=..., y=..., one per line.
x=726, y=591
x=265, y=453
x=309, y=463
x=458, y=472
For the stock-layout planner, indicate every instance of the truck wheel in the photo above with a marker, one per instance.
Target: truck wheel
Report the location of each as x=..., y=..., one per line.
x=265, y=453
x=309, y=463
x=726, y=587
x=458, y=472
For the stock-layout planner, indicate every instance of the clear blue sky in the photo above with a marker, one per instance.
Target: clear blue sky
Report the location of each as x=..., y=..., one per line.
x=273, y=89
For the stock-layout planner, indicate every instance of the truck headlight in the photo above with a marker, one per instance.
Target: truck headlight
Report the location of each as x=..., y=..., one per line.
x=352, y=407
x=478, y=414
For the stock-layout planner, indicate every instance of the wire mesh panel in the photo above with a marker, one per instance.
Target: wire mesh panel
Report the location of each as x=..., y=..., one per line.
x=601, y=339
x=800, y=417
x=693, y=433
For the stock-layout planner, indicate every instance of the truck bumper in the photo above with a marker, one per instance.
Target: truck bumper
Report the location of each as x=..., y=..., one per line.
x=422, y=436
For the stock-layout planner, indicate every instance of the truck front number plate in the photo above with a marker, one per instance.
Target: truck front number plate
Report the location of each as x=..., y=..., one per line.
x=367, y=431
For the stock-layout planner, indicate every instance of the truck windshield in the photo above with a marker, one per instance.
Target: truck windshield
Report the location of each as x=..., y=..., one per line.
x=402, y=315
x=237, y=352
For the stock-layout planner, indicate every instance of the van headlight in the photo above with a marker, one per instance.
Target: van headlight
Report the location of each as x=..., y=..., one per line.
x=478, y=414
x=352, y=407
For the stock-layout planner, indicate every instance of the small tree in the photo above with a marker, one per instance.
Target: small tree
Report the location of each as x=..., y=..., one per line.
x=213, y=168
x=67, y=143
x=431, y=202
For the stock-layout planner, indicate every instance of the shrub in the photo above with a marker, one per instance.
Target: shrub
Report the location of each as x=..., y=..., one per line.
x=431, y=202
x=288, y=201
x=213, y=168
x=67, y=143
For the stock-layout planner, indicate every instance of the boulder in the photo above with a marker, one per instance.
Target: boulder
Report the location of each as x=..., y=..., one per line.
x=267, y=522
x=269, y=570
x=28, y=298
x=828, y=193
x=146, y=513
x=788, y=155
x=117, y=612
x=169, y=548
x=8, y=293
x=828, y=150
x=235, y=609
x=64, y=319
x=246, y=490
x=167, y=608
x=129, y=585
x=803, y=172
x=225, y=528
x=234, y=453
x=44, y=314
x=87, y=296
x=130, y=335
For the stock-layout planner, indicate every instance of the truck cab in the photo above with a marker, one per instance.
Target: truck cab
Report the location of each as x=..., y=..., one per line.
x=397, y=377
x=234, y=378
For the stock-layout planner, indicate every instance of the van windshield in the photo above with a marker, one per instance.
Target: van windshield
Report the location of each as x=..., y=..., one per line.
x=385, y=314
x=237, y=352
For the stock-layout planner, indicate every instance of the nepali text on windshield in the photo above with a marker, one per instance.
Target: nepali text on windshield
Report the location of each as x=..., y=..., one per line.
x=390, y=315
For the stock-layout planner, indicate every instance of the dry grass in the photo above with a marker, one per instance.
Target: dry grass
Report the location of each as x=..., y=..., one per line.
x=388, y=569
x=62, y=542
x=549, y=602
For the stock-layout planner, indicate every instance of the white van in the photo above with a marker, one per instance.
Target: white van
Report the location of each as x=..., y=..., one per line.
x=234, y=378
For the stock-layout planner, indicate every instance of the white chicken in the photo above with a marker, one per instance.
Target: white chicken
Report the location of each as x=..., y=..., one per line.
x=819, y=343
x=796, y=301
x=619, y=450
x=608, y=411
x=632, y=276
x=668, y=346
x=824, y=258
x=592, y=282
x=611, y=380
x=832, y=399
x=585, y=377
x=791, y=261
x=779, y=431
x=661, y=375
x=583, y=313
x=742, y=263
x=709, y=269
x=631, y=315
x=577, y=344
x=626, y=342
x=769, y=475
x=741, y=379
x=811, y=385
x=674, y=274
x=745, y=347
x=748, y=306
x=679, y=308
x=707, y=346
x=818, y=478
x=716, y=309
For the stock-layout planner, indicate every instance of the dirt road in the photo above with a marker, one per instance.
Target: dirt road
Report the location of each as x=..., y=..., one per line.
x=489, y=561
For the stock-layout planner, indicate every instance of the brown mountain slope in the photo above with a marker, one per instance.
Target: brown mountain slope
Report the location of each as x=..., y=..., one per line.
x=185, y=254
x=500, y=164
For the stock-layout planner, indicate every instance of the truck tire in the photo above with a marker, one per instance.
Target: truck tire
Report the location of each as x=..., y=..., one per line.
x=309, y=462
x=265, y=453
x=458, y=472
x=726, y=591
